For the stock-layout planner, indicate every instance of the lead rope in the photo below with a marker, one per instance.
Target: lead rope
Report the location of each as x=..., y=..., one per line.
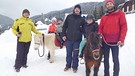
x=108, y=43
x=43, y=48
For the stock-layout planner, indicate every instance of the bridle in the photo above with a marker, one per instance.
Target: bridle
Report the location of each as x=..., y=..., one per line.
x=39, y=43
x=95, y=50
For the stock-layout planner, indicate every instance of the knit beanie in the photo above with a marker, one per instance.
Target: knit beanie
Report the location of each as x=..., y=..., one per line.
x=91, y=17
x=109, y=1
x=60, y=19
x=77, y=6
x=54, y=19
x=26, y=11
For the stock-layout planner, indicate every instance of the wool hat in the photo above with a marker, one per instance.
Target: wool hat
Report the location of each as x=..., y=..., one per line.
x=109, y=1
x=59, y=19
x=25, y=11
x=54, y=19
x=77, y=6
x=90, y=17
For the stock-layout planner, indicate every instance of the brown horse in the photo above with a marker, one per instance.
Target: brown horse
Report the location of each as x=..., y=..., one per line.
x=93, y=53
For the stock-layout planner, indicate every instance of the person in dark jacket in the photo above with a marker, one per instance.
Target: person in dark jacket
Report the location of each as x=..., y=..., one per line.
x=72, y=34
x=90, y=26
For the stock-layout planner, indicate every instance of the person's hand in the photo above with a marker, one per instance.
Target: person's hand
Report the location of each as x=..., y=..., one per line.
x=120, y=44
x=64, y=38
x=18, y=34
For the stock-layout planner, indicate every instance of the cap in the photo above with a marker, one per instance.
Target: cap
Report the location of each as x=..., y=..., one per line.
x=25, y=11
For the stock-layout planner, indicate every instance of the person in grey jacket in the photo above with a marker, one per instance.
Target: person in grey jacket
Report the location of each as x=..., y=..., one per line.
x=59, y=31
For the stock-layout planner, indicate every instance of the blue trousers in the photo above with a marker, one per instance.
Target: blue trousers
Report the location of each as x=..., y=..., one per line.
x=72, y=49
x=115, y=56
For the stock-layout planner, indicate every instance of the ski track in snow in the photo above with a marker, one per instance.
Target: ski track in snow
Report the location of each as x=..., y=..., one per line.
x=41, y=66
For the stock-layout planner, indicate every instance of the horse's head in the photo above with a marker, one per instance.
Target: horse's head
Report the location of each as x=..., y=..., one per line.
x=94, y=45
x=37, y=41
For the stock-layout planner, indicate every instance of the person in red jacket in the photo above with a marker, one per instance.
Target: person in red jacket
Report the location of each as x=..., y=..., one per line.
x=113, y=27
x=52, y=27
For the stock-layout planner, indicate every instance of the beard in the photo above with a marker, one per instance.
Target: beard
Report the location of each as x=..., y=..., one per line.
x=110, y=9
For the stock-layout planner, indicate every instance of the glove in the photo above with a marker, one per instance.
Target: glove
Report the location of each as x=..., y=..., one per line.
x=64, y=38
x=18, y=34
x=120, y=44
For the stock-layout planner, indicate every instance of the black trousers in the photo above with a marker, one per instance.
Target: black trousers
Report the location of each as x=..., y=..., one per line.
x=59, y=37
x=21, y=56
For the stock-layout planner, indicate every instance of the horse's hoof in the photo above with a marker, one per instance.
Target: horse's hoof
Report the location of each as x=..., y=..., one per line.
x=51, y=61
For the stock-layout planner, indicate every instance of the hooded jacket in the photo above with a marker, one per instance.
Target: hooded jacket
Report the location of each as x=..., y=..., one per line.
x=25, y=26
x=113, y=26
x=72, y=27
x=87, y=28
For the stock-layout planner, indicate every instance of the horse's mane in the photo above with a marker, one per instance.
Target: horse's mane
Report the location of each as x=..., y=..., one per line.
x=93, y=40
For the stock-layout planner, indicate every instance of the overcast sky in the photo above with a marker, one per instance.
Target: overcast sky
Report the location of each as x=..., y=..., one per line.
x=13, y=8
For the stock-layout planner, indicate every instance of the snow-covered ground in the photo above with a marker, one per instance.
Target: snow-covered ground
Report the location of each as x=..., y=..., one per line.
x=41, y=66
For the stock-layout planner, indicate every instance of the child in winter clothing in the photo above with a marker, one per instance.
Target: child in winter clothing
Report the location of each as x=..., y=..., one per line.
x=59, y=31
x=52, y=27
x=90, y=26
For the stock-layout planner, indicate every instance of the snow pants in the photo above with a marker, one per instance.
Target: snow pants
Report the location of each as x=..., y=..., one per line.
x=82, y=44
x=21, y=56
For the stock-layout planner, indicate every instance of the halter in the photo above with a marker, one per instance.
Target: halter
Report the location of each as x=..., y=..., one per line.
x=39, y=43
x=96, y=50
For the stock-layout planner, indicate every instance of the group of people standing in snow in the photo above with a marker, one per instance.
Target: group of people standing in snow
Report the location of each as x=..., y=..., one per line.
x=113, y=27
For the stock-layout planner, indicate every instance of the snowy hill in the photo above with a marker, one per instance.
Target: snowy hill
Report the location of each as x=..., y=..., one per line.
x=41, y=66
x=5, y=23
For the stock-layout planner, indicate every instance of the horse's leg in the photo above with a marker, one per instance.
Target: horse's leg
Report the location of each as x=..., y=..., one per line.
x=87, y=71
x=96, y=68
x=88, y=66
x=52, y=52
x=48, y=57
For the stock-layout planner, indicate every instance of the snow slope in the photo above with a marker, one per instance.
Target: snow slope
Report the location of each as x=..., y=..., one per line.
x=41, y=66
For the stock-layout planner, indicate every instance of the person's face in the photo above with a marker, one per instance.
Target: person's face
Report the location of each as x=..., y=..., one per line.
x=53, y=22
x=59, y=22
x=26, y=15
x=109, y=6
x=89, y=21
x=77, y=11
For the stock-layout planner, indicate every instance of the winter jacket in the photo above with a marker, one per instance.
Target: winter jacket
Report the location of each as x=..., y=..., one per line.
x=59, y=28
x=113, y=26
x=52, y=28
x=87, y=28
x=72, y=27
x=25, y=26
